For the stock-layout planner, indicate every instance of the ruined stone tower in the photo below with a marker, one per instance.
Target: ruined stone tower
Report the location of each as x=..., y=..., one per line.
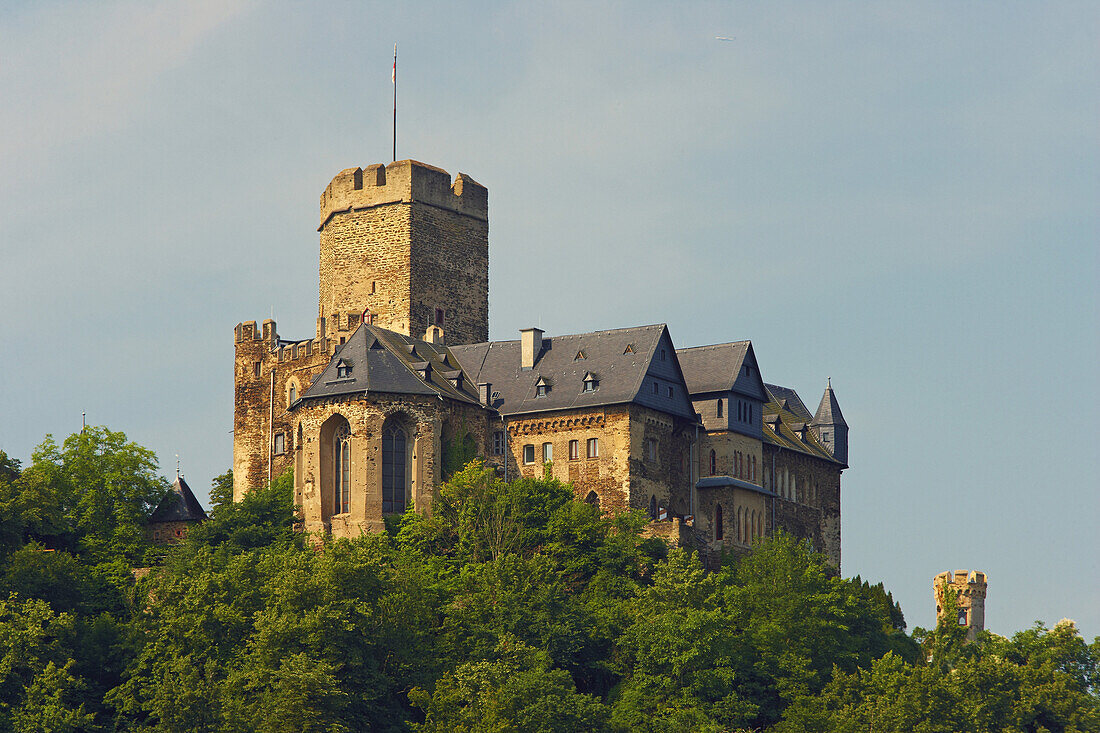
x=970, y=587
x=404, y=243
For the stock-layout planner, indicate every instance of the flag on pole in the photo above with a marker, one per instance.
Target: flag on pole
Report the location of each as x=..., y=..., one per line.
x=393, y=78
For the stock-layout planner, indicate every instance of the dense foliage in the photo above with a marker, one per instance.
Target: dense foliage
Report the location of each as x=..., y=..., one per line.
x=512, y=607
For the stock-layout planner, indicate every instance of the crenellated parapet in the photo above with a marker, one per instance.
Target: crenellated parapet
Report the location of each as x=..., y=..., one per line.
x=970, y=588
x=403, y=181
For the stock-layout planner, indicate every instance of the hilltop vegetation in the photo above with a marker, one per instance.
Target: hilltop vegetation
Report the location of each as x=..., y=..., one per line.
x=512, y=608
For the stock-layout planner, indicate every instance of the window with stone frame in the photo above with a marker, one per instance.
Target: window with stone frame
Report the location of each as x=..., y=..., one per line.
x=651, y=449
x=713, y=463
x=498, y=442
x=529, y=453
x=574, y=450
x=547, y=452
x=719, y=530
x=280, y=444
x=593, y=448
x=395, y=465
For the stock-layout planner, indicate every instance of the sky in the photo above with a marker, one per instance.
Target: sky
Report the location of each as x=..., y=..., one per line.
x=900, y=196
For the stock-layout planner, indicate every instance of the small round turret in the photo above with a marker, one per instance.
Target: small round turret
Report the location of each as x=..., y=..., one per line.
x=970, y=587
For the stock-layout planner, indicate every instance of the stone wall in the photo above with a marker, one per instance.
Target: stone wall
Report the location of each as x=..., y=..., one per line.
x=265, y=366
x=423, y=419
x=167, y=533
x=625, y=474
x=403, y=241
x=808, y=501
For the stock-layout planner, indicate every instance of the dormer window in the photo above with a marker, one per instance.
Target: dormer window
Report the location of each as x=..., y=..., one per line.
x=591, y=382
x=343, y=369
x=542, y=387
x=580, y=355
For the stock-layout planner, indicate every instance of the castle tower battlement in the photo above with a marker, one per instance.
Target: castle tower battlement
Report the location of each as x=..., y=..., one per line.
x=970, y=588
x=403, y=181
x=407, y=245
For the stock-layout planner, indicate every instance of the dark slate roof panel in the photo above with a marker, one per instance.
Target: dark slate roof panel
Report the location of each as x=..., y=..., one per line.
x=781, y=424
x=794, y=402
x=388, y=362
x=720, y=368
x=621, y=371
x=715, y=482
x=180, y=505
x=712, y=368
x=828, y=411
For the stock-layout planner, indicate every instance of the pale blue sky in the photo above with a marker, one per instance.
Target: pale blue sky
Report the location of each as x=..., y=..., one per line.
x=900, y=196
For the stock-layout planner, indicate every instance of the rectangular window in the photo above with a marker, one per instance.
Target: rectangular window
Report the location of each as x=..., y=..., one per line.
x=593, y=447
x=529, y=453
x=280, y=444
x=255, y=368
x=651, y=449
x=656, y=388
x=498, y=443
x=439, y=317
x=547, y=452
x=574, y=450
x=670, y=393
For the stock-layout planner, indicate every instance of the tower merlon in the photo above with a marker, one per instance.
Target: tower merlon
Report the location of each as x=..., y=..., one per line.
x=403, y=181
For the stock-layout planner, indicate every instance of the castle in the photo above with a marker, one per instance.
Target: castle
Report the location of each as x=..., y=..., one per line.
x=401, y=371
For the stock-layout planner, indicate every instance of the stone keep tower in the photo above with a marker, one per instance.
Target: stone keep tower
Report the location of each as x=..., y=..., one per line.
x=406, y=244
x=971, y=587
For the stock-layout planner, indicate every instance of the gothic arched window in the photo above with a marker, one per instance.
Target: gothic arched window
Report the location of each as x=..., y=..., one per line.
x=341, y=451
x=713, y=463
x=395, y=473
x=719, y=531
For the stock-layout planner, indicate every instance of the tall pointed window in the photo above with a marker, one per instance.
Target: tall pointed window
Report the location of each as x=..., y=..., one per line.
x=394, y=469
x=713, y=463
x=341, y=450
x=719, y=530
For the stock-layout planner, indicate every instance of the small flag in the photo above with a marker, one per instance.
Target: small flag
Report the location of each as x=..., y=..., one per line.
x=393, y=78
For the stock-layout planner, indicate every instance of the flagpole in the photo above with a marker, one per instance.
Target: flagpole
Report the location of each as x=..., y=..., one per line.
x=395, y=102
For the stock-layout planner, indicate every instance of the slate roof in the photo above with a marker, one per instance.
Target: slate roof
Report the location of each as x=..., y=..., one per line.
x=382, y=361
x=620, y=370
x=828, y=411
x=783, y=425
x=712, y=482
x=794, y=403
x=712, y=368
x=180, y=505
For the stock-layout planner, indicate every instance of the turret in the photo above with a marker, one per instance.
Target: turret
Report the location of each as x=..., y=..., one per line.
x=970, y=588
x=829, y=426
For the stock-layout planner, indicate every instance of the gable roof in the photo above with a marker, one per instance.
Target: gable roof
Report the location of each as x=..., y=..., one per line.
x=786, y=424
x=785, y=396
x=719, y=368
x=379, y=360
x=619, y=358
x=180, y=505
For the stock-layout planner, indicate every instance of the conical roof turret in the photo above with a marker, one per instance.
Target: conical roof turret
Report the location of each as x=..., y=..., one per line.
x=828, y=411
x=180, y=505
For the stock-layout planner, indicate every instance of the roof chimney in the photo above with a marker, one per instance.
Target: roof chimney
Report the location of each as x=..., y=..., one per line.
x=484, y=390
x=434, y=335
x=530, y=346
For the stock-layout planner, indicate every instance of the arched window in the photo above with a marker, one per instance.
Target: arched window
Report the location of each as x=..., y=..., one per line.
x=752, y=526
x=740, y=532
x=652, y=506
x=719, y=532
x=713, y=463
x=593, y=498
x=341, y=451
x=719, y=408
x=752, y=470
x=395, y=469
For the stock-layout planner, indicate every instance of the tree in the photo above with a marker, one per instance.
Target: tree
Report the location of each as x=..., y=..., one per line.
x=516, y=689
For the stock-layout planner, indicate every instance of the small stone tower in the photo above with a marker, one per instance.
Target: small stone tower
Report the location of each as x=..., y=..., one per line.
x=971, y=587
x=406, y=244
x=829, y=425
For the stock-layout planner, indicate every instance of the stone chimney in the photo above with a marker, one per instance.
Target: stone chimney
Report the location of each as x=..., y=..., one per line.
x=484, y=392
x=530, y=346
x=434, y=335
